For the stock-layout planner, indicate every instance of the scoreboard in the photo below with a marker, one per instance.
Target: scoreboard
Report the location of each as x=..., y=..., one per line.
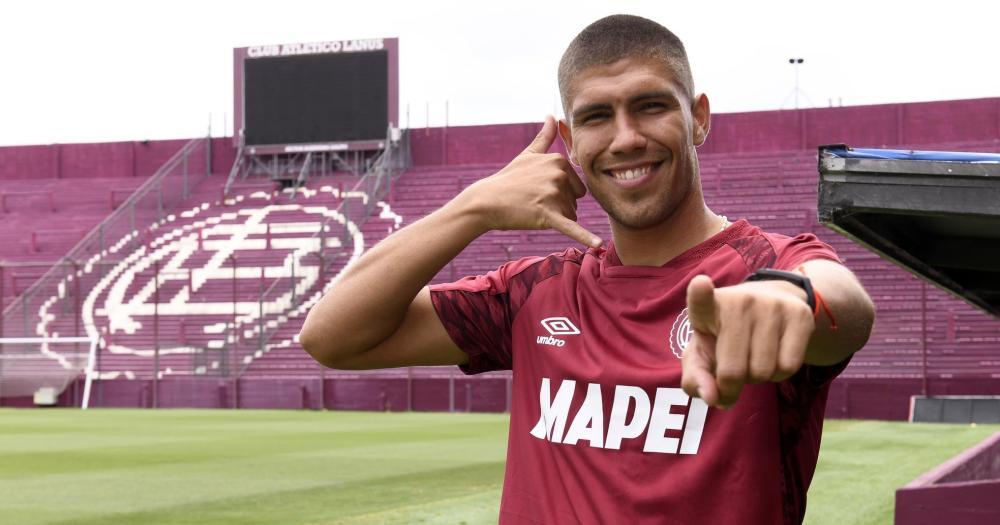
x=322, y=96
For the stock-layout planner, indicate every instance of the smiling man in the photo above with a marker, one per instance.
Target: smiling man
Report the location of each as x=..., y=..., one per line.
x=677, y=374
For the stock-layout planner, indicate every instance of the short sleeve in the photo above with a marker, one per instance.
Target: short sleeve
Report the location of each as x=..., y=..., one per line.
x=793, y=251
x=478, y=312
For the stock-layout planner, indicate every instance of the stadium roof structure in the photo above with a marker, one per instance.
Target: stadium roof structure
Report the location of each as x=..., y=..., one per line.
x=936, y=214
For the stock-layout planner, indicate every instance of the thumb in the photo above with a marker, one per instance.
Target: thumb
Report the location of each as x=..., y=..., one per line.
x=546, y=136
x=701, y=305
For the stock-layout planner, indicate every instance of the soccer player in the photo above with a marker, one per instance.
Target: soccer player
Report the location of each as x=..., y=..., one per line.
x=676, y=374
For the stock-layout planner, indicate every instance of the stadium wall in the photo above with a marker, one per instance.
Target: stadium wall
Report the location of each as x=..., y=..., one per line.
x=881, y=394
x=885, y=125
x=389, y=394
x=849, y=398
x=889, y=398
x=101, y=160
x=875, y=126
x=960, y=491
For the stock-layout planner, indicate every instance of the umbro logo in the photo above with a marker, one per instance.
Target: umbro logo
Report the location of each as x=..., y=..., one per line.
x=556, y=326
x=560, y=326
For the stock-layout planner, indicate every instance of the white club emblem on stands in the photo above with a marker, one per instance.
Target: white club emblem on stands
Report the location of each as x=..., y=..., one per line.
x=680, y=334
x=185, y=281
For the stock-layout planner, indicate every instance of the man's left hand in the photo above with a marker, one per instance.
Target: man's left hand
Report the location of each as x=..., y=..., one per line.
x=746, y=333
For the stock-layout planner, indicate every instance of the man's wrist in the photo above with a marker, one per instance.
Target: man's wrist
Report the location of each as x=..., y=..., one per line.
x=470, y=211
x=787, y=287
x=791, y=279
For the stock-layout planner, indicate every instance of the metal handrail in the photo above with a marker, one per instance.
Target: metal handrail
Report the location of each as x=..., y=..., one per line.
x=79, y=249
x=303, y=173
x=386, y=167
x=234, y=172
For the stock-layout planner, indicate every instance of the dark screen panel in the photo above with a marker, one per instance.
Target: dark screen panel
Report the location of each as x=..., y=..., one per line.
x=335, y=97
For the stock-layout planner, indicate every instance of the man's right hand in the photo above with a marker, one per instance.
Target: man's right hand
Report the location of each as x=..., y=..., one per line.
x=379, y=313
x=536, y=191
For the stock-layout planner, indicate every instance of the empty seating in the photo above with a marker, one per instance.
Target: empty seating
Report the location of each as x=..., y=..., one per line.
x=238, y=273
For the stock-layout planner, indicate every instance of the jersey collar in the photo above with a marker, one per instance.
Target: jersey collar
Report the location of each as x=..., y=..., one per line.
x=613, y=265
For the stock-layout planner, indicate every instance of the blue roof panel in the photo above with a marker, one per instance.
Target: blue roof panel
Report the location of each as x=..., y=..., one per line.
x=900, y=154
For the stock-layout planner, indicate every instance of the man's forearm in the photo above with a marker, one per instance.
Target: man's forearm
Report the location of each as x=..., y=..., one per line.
x=371, y=297
x=370, y=301
x=848, y=308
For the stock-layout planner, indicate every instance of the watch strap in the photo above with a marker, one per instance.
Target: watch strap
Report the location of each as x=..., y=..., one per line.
x=770, y=274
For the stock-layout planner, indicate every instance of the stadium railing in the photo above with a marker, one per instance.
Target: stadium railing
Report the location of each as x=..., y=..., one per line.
x=150, y=202
x=373, y=186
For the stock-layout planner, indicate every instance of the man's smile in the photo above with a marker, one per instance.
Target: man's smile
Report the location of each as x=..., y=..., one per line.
x=632, y=174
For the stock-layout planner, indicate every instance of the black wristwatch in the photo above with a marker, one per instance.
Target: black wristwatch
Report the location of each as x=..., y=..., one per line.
x=770, y=274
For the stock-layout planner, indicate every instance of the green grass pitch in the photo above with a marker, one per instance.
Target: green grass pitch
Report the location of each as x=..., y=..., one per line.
x=287, y=467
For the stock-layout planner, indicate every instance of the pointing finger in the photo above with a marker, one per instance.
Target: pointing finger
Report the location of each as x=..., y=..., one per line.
x=701, y=305
x=697, y=378
x=544, y=138
x=573, y=230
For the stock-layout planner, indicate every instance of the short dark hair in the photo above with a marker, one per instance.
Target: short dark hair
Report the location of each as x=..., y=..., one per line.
x=615, y=37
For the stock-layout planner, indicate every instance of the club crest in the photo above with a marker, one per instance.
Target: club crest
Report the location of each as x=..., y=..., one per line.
x=680, y=334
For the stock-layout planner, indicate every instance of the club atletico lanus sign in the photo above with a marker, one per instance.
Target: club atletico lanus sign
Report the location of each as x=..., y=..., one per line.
x=333, y=46
x=317, y=96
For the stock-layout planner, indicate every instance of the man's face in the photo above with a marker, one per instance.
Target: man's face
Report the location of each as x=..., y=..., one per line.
x=633, y=131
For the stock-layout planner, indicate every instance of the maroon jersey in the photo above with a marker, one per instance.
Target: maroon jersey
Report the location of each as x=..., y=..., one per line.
x=600, y=430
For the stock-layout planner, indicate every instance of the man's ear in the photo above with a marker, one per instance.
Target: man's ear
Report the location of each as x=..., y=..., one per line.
x=702, y=114
x=567, y=139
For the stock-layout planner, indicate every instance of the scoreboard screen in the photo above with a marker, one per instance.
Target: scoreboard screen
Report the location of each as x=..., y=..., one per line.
x=328, y=93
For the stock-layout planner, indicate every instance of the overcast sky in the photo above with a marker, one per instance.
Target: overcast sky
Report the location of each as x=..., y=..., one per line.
x=94, y=71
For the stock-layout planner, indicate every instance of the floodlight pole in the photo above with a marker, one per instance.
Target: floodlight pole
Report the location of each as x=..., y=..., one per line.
x=796, y=62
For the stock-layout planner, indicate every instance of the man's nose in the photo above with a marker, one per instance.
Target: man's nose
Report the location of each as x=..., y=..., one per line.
x=628, y=137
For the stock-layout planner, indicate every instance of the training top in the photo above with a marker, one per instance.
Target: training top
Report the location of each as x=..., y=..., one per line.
x=600, y=430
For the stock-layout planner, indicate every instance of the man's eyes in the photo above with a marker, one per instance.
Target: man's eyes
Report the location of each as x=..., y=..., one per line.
x=642, y=107
x=593, y=117
x=651, y=106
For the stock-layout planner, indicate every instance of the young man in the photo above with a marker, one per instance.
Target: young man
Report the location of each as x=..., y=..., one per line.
x=653, y=382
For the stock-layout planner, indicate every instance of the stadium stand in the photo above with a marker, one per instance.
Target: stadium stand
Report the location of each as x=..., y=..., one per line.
x=71, y=208
x=759, y=166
